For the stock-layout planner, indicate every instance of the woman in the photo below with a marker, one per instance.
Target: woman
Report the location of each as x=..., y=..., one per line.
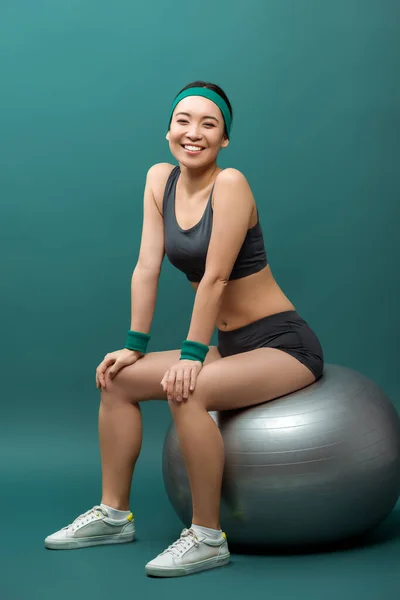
x=206, y=221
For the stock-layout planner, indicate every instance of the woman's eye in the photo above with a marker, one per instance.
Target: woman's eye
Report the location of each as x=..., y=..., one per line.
x=184, y=122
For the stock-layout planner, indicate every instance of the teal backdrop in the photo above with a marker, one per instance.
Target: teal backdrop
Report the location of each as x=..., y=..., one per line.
x=86, y=88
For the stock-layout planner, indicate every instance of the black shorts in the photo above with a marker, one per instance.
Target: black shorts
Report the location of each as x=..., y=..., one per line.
x=285, y=331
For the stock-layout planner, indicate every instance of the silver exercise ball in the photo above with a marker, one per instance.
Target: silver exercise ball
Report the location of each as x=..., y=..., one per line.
x=317, y=466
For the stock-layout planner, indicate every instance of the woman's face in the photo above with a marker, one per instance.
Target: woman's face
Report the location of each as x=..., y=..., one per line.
x=196, y=133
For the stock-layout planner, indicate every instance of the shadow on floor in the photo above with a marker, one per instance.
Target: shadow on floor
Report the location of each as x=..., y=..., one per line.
x=388, y=531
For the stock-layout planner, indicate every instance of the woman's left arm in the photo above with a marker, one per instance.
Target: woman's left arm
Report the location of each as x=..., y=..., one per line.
x=233, y=205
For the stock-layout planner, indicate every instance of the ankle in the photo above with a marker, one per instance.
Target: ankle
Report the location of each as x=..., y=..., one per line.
x=115, y=503
x=210, y=532
x=215, y=525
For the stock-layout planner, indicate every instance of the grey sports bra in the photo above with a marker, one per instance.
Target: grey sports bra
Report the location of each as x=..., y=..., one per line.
x=187, y=249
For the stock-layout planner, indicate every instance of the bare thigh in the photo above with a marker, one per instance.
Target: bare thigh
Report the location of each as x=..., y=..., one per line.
x=142, y=380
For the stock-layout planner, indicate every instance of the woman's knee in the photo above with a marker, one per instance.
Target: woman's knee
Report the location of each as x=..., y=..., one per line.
x=137, y=383
x=121, y=388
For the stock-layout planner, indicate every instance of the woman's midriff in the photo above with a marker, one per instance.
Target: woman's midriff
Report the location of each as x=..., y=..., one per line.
x=251, y=298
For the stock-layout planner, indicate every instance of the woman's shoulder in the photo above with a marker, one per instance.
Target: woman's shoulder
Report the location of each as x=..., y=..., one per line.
x=157, y=177
x=159, y=171
x=231, y=175
x=232, y=179
x=235, y=183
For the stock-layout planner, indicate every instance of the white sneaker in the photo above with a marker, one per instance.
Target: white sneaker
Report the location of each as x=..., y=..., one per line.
x=92, y=528
x=191, y=553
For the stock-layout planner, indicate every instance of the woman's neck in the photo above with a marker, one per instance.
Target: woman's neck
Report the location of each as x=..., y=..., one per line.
x=194, y=181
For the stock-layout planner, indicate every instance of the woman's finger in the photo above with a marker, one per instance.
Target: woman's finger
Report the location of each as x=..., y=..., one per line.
x=102, y=368
x=186, y=383
x=171, y=383
x=115, y=368
x=107, y=378
x=193, y=378
x=179, y=385
x=98, y=378
x=103, y=377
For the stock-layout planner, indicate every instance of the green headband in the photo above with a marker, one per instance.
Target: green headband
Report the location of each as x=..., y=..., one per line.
x=211, y=95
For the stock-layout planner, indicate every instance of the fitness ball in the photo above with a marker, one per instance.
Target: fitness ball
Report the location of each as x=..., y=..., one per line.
x=317, y=466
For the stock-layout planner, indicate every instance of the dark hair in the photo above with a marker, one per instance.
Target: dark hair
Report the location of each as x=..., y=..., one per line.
x=215, y=88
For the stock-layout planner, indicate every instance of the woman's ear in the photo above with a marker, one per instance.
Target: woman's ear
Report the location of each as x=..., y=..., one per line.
x=167, y=136
x=225, y=142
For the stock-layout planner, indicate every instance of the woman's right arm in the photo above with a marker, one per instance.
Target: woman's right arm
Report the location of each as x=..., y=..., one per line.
x=144, y=282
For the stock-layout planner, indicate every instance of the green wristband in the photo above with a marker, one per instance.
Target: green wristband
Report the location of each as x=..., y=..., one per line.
x=193, y=351
x=135, y=340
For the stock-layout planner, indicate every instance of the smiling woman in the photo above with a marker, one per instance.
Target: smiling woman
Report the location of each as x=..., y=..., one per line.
x=204, y=120
x=206, y=220
x=212, y=92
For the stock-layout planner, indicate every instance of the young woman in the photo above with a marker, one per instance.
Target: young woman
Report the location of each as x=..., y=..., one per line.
x=205, y=219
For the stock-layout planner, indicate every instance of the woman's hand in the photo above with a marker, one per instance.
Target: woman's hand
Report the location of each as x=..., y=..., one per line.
x=180, y=379
x=114, y=362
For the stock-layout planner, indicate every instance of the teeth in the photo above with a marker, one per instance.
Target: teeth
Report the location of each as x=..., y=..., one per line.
x=193, y=148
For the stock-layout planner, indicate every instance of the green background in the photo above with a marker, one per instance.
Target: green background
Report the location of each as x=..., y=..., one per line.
x=85, y=92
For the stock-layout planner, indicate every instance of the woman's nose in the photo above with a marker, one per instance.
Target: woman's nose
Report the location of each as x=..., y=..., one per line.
x=193, y=132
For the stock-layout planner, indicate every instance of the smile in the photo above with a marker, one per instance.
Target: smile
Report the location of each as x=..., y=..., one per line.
x=192, y=149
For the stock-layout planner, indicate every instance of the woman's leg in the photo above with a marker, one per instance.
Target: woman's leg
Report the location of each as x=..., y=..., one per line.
x=233, y=382
x=120, y=423
x=120, y=434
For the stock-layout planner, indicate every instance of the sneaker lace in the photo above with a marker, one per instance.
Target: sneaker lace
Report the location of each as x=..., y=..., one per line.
x=187, y=539
x=86, y=517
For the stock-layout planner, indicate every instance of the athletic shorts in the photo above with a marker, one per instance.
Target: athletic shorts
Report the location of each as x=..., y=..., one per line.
x=286, y=331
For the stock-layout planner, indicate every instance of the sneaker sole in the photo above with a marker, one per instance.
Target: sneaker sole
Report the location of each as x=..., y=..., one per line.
x=210, y=563
x=74, y=544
